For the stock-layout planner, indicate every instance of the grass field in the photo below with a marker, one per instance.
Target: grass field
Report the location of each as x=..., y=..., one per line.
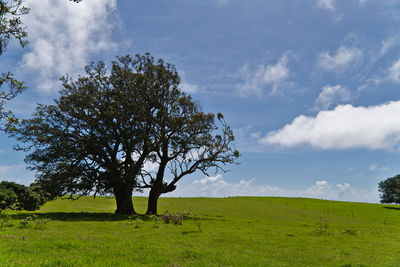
x=238, y=231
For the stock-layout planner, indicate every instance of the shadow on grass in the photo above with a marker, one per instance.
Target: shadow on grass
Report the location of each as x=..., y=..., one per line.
x=92, y=216
x=81, y=216
x=392, y=208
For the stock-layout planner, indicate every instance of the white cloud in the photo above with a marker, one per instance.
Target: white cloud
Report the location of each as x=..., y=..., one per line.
x=376, y=167
x=388, y=44
x=189, y=88
x=7, y=169
x=344, y=58
x=218, y=187
x=394, y=72
x=326, y=4
x=331, y=95
x=63, y=35
x=330, y=4
x=263, y=77
x=374, y=127
x=363, y=2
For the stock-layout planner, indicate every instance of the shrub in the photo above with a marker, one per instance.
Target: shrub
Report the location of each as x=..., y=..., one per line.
x=16, y=196
x=167, y=217
x=8, y=199
x=175, y=218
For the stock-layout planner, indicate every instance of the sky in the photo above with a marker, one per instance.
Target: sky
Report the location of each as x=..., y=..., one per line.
x=310, y=87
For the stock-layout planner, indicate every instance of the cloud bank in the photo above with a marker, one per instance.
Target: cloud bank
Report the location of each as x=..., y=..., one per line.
x=63, y=35
x=217, y=186
x=374, y=127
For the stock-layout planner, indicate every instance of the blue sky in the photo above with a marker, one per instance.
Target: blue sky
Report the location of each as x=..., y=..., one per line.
x=310, y=87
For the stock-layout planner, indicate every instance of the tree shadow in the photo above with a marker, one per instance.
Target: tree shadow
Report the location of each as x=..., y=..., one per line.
x=392, y=208
x=80, y=216
x=98, y=217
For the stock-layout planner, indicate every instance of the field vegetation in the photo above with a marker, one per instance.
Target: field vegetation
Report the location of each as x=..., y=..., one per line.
x=236, y=231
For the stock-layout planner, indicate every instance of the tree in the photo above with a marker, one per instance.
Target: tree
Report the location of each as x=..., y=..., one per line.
x=103, y=128
x=11, y=27
x=390, y=190
x=97, y=135
x=190, y=141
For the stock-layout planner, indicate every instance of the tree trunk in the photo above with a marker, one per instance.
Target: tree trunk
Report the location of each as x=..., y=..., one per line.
x=152, y=202
x=124, y=202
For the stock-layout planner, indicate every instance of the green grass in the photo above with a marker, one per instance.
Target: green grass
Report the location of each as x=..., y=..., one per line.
x=239, y=231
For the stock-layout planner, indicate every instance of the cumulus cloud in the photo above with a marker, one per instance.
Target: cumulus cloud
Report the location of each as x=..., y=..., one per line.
x=263, y=77
x=344, y=58
x=374, y=127
x=63, y=35
x=331, y=95
x=217, y=186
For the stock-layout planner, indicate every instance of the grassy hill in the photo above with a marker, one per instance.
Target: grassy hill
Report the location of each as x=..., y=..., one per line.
x=238, y=231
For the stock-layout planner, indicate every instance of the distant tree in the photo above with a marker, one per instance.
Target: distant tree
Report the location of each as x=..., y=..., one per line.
x=13, y=195
x=390, y=190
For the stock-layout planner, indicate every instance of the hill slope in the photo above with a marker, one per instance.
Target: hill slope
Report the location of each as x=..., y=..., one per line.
x=239, y=231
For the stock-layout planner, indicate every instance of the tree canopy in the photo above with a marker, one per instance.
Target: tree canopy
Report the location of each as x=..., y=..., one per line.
x=390, y=190
x=189, y=141
x=103, y=128
x=11, y=27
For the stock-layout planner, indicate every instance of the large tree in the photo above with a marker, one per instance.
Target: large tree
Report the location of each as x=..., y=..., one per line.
x=11, y=27
x=102, y=130
x=98, y=133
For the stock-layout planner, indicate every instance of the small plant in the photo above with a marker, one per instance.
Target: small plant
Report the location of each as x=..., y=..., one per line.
x=322, y=227
x=38, y=223
x=167, y=217
x=189, y=212
x=4, y=217
x=177, y=218
x=350, y=230
x=155, y=219
x=134, y=220
x=24, y=223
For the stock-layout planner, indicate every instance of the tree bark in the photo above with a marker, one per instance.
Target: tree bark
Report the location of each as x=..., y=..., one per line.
x=152, y=201
x=124, y=202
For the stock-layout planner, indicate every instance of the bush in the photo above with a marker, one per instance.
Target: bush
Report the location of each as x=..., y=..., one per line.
x=8, y=199
x=20, y=197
